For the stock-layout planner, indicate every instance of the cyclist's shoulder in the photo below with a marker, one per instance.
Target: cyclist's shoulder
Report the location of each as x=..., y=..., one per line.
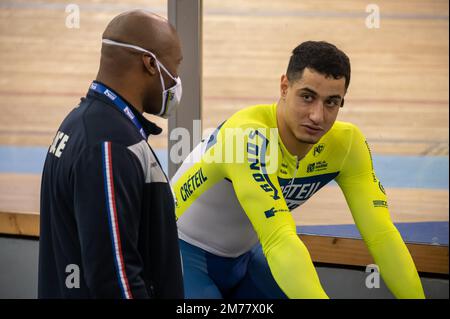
x=261, y=115
x=342, y=133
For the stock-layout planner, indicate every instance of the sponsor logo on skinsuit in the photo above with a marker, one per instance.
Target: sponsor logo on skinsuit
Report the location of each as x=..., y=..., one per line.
x=381, y=188
x=318, y=149
x=298, y=191
x=317, y=167
x=271, y=212
x=256, y=157
x=380, y=203
x=192, y=184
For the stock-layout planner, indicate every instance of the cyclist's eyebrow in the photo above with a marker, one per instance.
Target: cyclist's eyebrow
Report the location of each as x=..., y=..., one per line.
x=312, y=92
x=337, y=96
x=308, y=90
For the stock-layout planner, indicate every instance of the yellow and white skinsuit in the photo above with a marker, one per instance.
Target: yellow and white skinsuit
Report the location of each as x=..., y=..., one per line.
x=226, y=206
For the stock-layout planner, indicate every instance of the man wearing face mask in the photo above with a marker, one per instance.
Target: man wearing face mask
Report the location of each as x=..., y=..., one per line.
x=107, y=227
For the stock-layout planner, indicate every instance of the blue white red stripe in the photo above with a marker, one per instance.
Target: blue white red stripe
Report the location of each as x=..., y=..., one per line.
x=113, y=222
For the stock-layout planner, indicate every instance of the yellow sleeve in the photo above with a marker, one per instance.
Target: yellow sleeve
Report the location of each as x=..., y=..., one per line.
x=259, y=193
x=368, y=203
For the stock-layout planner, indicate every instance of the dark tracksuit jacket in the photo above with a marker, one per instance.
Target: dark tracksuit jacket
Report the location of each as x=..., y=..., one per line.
x=107, y=219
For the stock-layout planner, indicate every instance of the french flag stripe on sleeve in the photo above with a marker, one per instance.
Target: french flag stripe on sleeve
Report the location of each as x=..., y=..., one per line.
x=113, y=222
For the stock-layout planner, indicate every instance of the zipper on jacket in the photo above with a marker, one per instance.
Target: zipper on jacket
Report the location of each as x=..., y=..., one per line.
x=152, y=291
x=296, y=170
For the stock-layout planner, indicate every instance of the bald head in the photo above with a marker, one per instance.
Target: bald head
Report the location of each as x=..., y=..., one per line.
x=131, y=71
x=140, y=28
x=144, y=29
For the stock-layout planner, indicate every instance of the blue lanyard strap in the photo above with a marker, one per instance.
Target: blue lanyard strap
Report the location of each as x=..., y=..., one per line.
x=120, y=104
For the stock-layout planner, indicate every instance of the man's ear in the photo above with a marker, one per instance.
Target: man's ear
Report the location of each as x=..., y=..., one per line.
x=284, y=84
x=150, y=64
x=342, y=102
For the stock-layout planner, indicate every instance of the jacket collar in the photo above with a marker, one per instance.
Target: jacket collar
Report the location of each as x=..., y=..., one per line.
x=149, y=127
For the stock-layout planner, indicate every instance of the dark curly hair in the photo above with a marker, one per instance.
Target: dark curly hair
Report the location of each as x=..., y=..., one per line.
x=320, y=56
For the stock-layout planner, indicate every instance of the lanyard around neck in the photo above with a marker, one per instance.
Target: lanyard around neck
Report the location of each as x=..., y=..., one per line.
x=120, y=104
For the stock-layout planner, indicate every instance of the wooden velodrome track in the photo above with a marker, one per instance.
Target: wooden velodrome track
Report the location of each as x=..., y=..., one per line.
x=398, y=94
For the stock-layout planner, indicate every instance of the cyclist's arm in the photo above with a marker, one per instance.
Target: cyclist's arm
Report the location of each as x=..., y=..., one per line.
x=368, y=204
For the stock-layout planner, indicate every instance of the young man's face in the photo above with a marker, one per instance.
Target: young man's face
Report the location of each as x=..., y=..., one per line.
x=311, y=104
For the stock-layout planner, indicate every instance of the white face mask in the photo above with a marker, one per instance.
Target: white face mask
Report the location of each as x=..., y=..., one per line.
x=171, y=97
